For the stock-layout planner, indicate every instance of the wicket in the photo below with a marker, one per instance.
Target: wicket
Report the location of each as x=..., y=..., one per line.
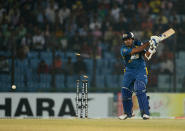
x=84, y=97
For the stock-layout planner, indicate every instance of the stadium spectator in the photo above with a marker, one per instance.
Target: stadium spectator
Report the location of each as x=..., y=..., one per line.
x=75, y=42
x=63, y=43
x=27, y=40
x=97, y=33
x=38, y=40
x=80, y=66
x=68, y=67
x=115, y=12
x=95, y=23
x=148, y=25
x=155, y=6
x=83, y=31
x=43, y=67
x=14, y=16
x=161, y=20
x=57, y=65
x=108, y=37
x=40, y=16
x=122, y=22
x=86, y=49
x=63, y=14
x=143, y=8
x=50, y=13
x=166, y=7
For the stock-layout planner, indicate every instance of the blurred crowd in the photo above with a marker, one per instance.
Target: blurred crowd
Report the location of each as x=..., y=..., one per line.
x=90, y=25
x=59, y=67
x=79, y=24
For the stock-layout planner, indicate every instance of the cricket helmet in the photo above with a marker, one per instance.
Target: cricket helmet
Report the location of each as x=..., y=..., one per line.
x=127, y=35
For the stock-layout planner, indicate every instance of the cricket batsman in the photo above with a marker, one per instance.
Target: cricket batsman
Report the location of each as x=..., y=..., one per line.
x=135, y=79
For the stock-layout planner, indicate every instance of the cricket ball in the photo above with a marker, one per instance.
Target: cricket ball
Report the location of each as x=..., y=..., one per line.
x=14, y=87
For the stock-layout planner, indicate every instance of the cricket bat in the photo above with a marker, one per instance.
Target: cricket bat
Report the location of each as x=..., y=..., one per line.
x=167, y=34
x=162, y=36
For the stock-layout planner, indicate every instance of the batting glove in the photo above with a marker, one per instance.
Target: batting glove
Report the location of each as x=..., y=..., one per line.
x=151, y=51
x=154, y=40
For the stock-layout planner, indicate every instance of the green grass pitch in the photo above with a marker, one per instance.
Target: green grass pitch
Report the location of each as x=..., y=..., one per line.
x=111, y=124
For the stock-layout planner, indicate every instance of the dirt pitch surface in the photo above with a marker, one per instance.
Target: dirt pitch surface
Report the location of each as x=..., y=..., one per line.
x=92, y=125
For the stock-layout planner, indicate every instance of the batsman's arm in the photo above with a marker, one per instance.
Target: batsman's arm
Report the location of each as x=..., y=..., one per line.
x=153, y=42
x=140, y=48
x=148, y=54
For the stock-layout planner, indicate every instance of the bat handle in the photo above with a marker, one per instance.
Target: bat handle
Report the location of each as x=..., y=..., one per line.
x=162, y=37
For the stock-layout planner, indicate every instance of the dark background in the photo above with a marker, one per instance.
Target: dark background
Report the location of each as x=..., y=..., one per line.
x=39, y=39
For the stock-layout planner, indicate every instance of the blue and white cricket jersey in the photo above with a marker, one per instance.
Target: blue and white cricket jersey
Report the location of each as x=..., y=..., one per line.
x=134, y=64
x=132, y=61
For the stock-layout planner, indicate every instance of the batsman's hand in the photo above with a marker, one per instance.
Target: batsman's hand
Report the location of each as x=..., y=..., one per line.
x=154, y=40
x=150, y=52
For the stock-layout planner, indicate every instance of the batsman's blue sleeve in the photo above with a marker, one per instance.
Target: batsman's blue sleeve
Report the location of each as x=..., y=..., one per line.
x=125, y=51
x=139, y=43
